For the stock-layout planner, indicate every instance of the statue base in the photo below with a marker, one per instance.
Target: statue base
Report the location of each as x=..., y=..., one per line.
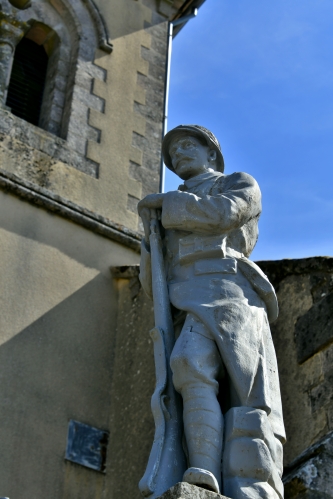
x=183, y=490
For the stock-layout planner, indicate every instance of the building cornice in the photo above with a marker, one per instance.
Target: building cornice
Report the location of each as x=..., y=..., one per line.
x=58, y=205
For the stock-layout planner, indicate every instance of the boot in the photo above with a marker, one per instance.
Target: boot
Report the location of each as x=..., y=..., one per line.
x=252, y=457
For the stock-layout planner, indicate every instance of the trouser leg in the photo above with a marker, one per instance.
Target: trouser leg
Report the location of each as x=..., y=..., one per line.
x=196, y=365
x=203, y=426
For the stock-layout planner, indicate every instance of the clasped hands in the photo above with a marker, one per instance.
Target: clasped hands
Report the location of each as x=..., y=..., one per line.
x=148, y=208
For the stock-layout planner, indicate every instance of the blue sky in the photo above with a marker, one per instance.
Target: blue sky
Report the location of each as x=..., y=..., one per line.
x=259, y=74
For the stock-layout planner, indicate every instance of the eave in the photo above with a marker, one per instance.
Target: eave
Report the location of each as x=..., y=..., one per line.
x=186, y=9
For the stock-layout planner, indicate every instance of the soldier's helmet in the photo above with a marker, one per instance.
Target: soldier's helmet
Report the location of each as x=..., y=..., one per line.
x=197, y=131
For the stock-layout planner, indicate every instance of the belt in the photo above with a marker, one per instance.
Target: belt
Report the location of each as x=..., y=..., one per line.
x=194, y=248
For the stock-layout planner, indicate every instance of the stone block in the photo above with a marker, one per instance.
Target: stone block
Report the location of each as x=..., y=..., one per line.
x=303, y=285
x=184, y=490
x=322, y=394
x=314, y=330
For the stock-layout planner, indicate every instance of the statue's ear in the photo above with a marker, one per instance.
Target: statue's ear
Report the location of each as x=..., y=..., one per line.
x=212, y=156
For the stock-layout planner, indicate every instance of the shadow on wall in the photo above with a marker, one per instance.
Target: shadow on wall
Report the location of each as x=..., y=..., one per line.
x=57, y=341
x=58, y=368
x=127, y=17
x=44, y=228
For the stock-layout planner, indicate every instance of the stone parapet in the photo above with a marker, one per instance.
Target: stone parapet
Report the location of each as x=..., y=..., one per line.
x=184, y=490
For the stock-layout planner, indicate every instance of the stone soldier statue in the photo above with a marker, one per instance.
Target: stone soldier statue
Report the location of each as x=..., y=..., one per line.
x=222, y=304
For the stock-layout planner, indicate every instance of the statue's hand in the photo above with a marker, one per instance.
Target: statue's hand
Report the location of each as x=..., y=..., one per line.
x=149, y=208
x=152, y=201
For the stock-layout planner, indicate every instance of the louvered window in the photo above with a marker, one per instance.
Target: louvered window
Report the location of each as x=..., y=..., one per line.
x=27, y=81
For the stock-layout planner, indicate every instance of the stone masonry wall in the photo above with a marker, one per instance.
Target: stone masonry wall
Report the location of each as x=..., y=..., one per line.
x=109, y=156
x=303, y=338
x=153, y=84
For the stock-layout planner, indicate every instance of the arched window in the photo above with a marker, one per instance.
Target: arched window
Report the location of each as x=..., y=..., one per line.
x=27, y=81
x=69, y=32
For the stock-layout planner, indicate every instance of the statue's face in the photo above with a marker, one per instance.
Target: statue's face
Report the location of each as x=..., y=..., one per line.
x=190, y=157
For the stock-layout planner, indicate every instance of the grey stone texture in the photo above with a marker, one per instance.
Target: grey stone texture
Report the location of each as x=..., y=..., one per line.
x=148, y=173
x=184, y=490
x=11, y=32
x=311, y=476
x=33, y=153
x=302, y=334
x=44, y=198
x=200, y=264
x=303, y=340
x=131, y=421
x=314, y=329
x=83, y=99
x=71, y=54
x=132, y=383
x=75, y=341
x=72, y=96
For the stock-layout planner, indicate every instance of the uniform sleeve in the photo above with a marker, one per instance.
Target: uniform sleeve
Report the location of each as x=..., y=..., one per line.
x=236, y=200
x=145, y=270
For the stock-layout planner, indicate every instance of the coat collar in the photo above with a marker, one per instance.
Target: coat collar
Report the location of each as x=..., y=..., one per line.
x=199, y=179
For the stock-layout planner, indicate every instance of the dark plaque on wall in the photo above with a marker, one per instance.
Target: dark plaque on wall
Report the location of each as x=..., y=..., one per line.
x=86, y=445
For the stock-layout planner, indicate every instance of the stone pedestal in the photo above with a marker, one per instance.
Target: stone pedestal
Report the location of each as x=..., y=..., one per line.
x=184, y=490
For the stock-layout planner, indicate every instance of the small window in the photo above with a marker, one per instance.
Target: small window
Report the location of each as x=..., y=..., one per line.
x=27, y=81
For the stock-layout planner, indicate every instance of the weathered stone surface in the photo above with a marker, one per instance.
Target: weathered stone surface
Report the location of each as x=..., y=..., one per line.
x=322, y=394
x=142, y=78
x=71, y=55
x=87, y=92
x=11, y=32
x=33, y=153
x=184, y=490
x=219, y=333
x=131, y=421
x=56, y=204
x=307, y=389
x=278, y=270
x=61, y=355
x=310, y=476
x=304, y=286
x=314, y=330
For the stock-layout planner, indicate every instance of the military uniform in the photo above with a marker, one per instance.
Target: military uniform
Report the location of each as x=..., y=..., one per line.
x=211, y=227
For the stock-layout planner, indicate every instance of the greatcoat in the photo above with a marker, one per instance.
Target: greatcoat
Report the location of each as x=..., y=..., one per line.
x=211, y=227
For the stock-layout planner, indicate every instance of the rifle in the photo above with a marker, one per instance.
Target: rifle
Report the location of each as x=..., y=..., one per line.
x=167, y=462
